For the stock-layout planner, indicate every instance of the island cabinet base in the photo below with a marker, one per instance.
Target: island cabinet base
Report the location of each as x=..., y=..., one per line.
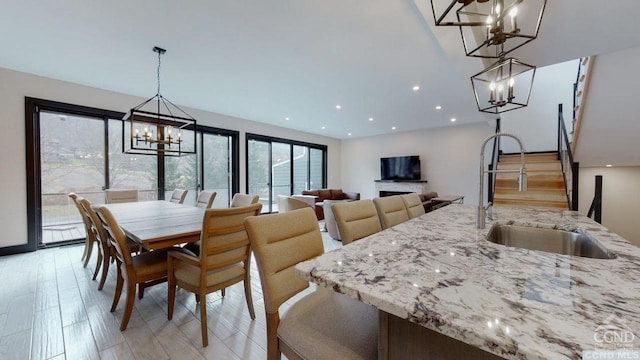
x=402, y=339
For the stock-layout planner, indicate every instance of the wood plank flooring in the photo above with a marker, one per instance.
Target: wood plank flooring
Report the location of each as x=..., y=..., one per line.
x=51, y=309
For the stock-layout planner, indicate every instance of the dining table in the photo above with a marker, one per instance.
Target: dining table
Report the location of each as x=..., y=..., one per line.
x=158, y=224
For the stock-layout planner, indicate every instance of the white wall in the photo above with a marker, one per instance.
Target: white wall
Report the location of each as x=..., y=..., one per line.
x=537, y=124
x=620, y=198
x=14, y=86
x=449, y=159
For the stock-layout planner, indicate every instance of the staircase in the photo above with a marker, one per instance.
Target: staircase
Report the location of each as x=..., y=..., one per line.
x=545, y=182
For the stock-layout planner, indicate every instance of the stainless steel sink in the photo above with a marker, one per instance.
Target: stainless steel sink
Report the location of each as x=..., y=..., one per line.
x=549, y=240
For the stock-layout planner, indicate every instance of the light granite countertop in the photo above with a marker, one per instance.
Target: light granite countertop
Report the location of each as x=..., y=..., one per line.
x=439, y=271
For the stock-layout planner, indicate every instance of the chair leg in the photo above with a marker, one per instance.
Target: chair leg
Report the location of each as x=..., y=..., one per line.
x=89, y=251
x=171, y=300
x=273, y=350
x=98, y=263
x=84, y=252
x=222, y=291
x=141, y=290
x=203, y=320
x=131, y=297
x=105, y=269
x=247, y=296
x=197, y=298
x=116, y=296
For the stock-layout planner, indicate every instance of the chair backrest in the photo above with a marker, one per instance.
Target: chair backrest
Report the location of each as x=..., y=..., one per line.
x=356, y=219
x=85, y=220
x=205, y=199
x=178, y=196
x=117, y=238
x=279, y=242
x=391, y=210
x=240, y=200
x=114, y=196
x=288, y=203
x=224, y=240
x=413, y=204
x=96, y=224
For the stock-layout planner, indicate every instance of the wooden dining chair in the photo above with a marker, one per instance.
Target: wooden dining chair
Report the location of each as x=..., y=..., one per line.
x=205, y=199
x=178, y=196
x=115, y=196
x=90, y=239
x=356, y=219
x=239, y=200
x=391, y=210
x=224, y=260
x=413, y=204
x=321, y=325
x=146, y=269
x=106, y=250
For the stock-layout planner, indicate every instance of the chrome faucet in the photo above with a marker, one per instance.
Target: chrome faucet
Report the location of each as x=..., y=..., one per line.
x=522, y=177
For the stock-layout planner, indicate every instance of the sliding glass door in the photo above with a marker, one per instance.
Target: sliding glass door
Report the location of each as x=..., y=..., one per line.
x=72, y=159
x=282, y=167
x=216, y=164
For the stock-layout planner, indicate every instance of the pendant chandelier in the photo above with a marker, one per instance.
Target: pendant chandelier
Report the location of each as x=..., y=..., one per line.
x=508, y=25
x=492, y=29
x=503, y=86
x=157, y=126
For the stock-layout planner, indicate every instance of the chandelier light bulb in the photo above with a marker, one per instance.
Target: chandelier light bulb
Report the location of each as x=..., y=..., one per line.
x=489, y=20
x=511, y=82
x=492, y=92
x=514, y=21
x=501, y=92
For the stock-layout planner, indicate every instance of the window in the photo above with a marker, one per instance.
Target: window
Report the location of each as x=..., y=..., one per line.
x=283, y=167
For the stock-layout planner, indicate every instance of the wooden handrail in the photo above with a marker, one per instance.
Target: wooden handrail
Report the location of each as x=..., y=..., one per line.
x=580, y=94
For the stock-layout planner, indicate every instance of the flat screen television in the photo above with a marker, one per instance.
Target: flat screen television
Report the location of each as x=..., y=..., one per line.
x=400, y=168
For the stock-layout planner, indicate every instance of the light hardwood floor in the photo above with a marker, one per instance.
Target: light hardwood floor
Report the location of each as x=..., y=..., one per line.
x=51, y=309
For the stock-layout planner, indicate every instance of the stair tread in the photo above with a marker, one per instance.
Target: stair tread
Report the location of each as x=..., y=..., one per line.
x=545, y=205
x=547, y=165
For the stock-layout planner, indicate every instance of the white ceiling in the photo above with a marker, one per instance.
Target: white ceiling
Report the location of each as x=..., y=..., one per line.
x=267, y=60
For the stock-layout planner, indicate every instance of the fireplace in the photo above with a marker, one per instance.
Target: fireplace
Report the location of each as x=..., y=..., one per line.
x=395, y=187
x=384, y=193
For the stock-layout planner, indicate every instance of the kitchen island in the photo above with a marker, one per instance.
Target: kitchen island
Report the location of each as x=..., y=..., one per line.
x=440, y=273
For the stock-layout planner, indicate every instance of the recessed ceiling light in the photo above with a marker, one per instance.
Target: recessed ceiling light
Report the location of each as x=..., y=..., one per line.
x=609, y=165
x=338, y=107
x=323, y=128
x=287, y=118
x=416, y=88
x=453, y=119
x=370, y=119
x=438, y=107
x=393, y=128
x=349, y=134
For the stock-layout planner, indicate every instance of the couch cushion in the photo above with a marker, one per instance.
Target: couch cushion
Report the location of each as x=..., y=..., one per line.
x=336, y=194
x=324, y=194
x=310, y=192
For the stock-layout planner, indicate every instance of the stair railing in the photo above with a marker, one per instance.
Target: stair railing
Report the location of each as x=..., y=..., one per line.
x=595, y=210
x=491, y=188
x=580, y=89
x=569, y=167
